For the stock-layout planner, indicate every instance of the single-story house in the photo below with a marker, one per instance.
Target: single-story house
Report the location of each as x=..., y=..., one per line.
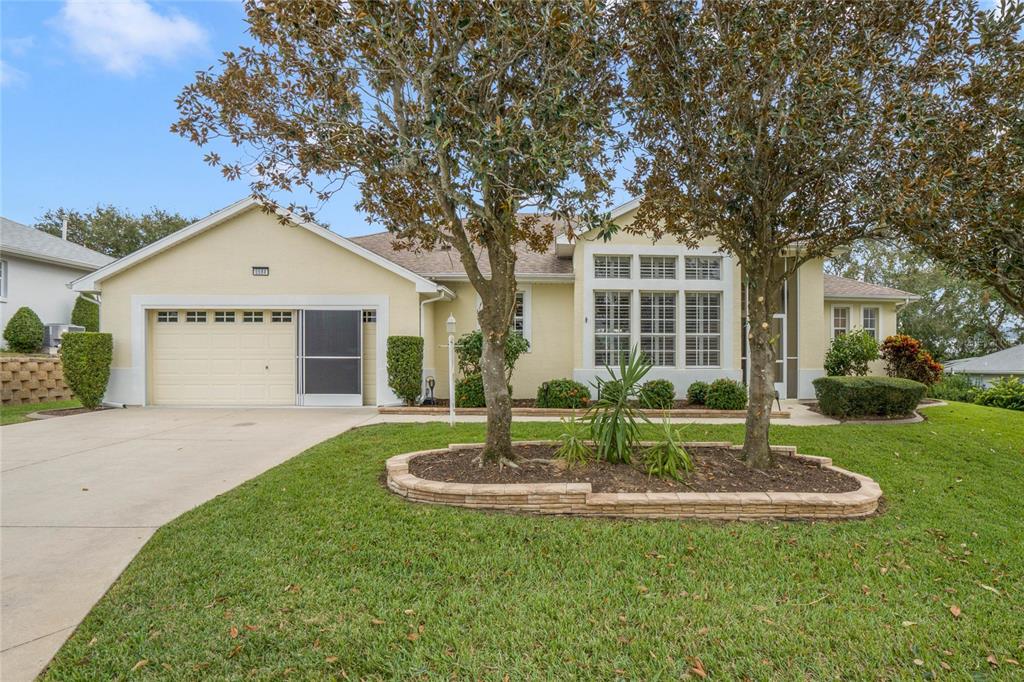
x=241, y=309
x=35, y=270
x=985, y=369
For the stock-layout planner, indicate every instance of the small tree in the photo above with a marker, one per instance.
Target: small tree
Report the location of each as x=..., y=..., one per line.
x=85, y=358
x=405, y=367
x=850, y=353
x=454, y=117
x=469, y=350
x=86, y=314
x=24, y=331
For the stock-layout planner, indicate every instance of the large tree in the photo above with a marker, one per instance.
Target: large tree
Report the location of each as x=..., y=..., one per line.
x=111, y=230
x=453, y=117
x=769, y=127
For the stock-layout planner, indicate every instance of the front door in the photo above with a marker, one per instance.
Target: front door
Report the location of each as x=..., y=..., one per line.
x=330, y=357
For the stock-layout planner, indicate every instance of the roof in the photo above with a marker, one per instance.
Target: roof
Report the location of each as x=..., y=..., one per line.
x=444, y=263
x=843, y=287
x=22, y=240
x=1009, y=361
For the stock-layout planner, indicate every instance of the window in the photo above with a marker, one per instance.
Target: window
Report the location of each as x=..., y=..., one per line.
x=3, y=279
x=195, y=316
x=611, y=327
x=167, y=316
x=657, y=267
x=519, y=315
x=703, y=329
x=869, y=317
x=252, y=316
x=840, y=321
x=658, y=327
x=612, y=267
x=369, y=317
x=281, y=316
x=703, y=267
x=224, y=316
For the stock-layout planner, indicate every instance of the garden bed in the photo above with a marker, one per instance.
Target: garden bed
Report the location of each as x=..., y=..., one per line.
x=720, y=487
x=64, y=412
x=526, y=407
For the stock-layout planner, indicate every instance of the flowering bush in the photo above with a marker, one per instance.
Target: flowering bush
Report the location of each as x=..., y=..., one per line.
x=850, y=354
x=905, y=358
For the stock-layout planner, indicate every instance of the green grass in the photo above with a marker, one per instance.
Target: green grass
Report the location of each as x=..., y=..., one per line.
x=324, y=573
x=16, y=414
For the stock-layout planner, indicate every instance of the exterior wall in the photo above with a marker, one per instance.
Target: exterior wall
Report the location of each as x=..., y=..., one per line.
x=40, y=286
x=214, y=268
x=886, y=324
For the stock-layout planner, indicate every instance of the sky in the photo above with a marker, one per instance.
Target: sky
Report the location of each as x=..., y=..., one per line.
x=87, y=91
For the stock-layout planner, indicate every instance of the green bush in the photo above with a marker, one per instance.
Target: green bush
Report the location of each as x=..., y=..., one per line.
x=563, y=394
x=469, y=391
x=24, y=331
x=610, y=390
x=574, y=448
x=667, y=458
x=1007, y=393
x=957, y=387
x=726, y=394
x=405, y=367
x=86, y=358
x=849, y=354
x=867, y=396
x=906, y=358
x=697, y=393
x=469, y=349
x=86, y=314
x=657, y=394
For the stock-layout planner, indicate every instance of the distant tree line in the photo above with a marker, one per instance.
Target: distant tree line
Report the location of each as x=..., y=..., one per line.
x=111, y=230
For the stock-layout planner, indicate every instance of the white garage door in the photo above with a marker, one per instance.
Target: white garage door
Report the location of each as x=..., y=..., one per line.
x=222, y=357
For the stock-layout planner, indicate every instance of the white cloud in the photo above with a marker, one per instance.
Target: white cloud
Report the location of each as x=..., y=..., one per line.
x=18, y=46
x=10, y=75
x=124, y=35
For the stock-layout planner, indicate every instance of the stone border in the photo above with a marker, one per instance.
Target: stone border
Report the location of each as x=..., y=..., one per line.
x=577, y=499
x=558, y=412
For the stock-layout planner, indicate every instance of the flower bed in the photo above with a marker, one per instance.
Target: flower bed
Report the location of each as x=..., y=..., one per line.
x=526, y=408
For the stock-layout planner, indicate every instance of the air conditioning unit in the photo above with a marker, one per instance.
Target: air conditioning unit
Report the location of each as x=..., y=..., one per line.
x=54, y=332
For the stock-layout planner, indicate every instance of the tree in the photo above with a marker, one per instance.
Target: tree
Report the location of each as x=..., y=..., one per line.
x=453, y=117
x=86, y=313
x=769, y=126
x=110, y=230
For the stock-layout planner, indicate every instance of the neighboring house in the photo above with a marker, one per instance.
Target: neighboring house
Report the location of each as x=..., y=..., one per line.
x=35, y=270
x=240, y=309
x=987, y=368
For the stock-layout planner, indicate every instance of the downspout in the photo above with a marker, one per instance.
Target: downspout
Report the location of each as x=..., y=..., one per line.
x=440, y=297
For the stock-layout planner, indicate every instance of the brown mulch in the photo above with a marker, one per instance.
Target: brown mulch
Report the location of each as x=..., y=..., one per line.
x=812, y=405
x=68, y=411
x=715, y=470
x=532, y=402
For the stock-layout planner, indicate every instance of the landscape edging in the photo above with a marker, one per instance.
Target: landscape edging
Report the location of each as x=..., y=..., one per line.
x=561, y=412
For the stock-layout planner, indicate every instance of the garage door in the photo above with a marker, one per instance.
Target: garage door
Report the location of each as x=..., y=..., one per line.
x=222, y=357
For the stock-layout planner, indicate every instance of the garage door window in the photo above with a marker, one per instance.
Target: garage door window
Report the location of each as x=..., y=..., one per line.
x=195, y=316
x=224, y=316
x=281, y=316
x=252, y=316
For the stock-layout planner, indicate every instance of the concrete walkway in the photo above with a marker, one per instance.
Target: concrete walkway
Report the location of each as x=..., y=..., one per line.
x=82, y=494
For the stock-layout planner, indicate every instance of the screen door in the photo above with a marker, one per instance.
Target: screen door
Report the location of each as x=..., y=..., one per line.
x=330, y=359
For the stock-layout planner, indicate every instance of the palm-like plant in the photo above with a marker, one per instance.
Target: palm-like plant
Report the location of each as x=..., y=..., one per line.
x=668, y=458
x=574, y=448
x=614, y=418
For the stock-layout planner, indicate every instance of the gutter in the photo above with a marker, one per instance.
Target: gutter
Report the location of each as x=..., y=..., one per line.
x=444, y=294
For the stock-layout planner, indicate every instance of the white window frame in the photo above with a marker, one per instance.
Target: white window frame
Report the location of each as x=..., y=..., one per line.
x=370, y=316
x=281, y=317
x=252, y=316
x=195, y=316
x=654, y=320
x=613, y=272
x=167, y=316
x=618, y=334
x=4, y=275
x=223, y=316
x=876, y=329
x=699, y=335
x=832, y=319
x=703, y=267
x=659, y=266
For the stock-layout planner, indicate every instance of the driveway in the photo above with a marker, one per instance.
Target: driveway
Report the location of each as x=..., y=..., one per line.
x=82, y=494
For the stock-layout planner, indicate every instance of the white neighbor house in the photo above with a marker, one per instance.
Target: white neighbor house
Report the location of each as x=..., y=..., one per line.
x=35, y=270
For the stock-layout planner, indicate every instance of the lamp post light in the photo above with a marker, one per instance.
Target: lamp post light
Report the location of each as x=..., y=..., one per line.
x=450, y=324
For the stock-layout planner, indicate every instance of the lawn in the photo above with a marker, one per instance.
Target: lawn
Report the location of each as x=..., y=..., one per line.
x=16, y=414
x=315, y=570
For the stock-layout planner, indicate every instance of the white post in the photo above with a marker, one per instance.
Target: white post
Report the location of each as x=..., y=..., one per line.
x=450, y=324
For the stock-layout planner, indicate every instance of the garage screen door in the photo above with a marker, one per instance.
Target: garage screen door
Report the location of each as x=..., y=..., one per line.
x=330, y=359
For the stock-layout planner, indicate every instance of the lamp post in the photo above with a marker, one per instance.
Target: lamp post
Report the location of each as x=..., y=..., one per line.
x=451, y=369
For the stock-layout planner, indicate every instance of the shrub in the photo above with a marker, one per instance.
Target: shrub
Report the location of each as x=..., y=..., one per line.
x=954, y=387
x=697, y=392
x=614, y=420
x=563, y=394
x=405, y=367
x=1007, y=392
x=469, y=349
x=849, y=354
x=86, y=314
x=610, y=389
x=86, y=358
x=906, y=359
x=668, y=458
x=657, y=394
x=726, y=394
x=574, y=448
x=867, y=396
x=469, y=391
x=24, y=331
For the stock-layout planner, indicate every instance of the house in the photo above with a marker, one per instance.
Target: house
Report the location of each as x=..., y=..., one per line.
x=35, y=270
x=987, y=368
x=239, y=308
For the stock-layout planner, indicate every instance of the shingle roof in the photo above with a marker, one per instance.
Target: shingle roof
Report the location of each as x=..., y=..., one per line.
x=843, y=287
x=1009, y=361
x=18, y=239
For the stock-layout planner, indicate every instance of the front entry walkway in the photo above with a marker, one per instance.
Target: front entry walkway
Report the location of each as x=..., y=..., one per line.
x=82, y=494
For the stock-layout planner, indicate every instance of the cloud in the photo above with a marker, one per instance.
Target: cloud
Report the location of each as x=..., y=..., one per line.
x=10, y=75
x=124, y=35
x=18, y=46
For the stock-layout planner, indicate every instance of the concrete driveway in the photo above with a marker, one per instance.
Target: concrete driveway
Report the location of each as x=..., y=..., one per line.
x=82, y=494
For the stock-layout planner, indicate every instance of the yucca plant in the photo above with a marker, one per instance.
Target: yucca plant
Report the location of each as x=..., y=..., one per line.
x=667, y=458
x=574, y=448
x=614, y=418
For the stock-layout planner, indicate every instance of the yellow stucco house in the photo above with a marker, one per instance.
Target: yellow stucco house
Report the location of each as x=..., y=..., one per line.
x=240, y=309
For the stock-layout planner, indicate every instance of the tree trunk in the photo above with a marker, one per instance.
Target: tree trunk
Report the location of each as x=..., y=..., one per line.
x=759, y=349
x=498, y=445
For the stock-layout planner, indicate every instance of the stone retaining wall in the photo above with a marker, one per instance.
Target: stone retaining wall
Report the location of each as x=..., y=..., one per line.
x=578, y=499
x=32, y=379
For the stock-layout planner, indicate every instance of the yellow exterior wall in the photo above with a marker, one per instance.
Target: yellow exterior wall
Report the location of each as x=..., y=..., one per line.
x=886, y=323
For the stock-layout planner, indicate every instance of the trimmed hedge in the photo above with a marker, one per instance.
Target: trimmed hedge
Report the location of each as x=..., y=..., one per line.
x=24, y=331
x=86, y=314
x=657, y=394
x=563, y=394
x=469, y=391
x=867, y=396
x=86, y=358
x=697, y=392
x=405, y=367
x=726, y=394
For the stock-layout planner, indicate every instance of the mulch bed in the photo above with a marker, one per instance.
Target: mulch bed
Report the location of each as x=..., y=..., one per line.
x=532, y=402
x=812, y=405
x=68, y=411
x=716, y=470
